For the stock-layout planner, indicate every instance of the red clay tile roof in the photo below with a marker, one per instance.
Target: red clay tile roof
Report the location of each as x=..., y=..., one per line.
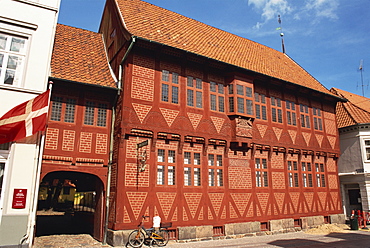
x=79, y=56
x=355, y=111
x=150, y=22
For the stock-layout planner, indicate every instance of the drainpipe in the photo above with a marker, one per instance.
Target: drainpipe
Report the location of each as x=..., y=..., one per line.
x=119, y=85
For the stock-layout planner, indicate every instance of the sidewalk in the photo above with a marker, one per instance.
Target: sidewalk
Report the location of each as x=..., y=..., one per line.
x=346, y=239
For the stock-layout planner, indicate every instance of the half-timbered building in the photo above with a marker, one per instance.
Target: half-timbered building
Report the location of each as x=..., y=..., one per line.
x=76, y=152
x=213, y=129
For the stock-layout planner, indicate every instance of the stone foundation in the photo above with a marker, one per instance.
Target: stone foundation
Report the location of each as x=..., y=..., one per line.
x=235, y=230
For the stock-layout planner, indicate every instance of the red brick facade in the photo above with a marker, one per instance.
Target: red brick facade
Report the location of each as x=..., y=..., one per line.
x=252, y=164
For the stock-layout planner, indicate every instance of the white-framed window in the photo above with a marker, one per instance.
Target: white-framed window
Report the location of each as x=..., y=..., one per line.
x=170, y=87
x=217, y=96
x=260, y=106
x=194, y=92
x=12, y=58
x=293, y=173
x=367, y=149
x=317, y=119
x=290, y=113
x=276, y=110
x=261, y=172
x=215, y=170
x=166, y=169
x=192, y=173
x=305, y=117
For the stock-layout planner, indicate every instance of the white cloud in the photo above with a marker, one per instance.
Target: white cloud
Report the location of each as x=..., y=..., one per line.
x=323, y=8
x=270, y=9
x=315, y=10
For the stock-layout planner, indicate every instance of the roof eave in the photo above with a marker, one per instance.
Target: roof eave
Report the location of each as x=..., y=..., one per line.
x=87, y=84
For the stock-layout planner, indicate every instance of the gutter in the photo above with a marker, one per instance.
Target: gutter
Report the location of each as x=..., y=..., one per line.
x=119, y=88
x=133, y=40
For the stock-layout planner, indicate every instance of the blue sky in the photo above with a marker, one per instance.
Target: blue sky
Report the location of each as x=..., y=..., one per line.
x=328, y=38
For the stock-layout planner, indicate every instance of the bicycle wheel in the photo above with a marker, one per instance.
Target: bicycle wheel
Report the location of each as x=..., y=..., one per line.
x=164, y=238
x=136, y=238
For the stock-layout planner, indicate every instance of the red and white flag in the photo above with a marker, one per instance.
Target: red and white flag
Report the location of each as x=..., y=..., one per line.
x=25, y=119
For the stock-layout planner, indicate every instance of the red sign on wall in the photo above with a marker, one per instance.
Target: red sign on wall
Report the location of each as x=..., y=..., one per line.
x=19, y=198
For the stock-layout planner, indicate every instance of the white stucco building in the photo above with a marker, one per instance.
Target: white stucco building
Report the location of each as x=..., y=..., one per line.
x=27, y=29
x=354, y=163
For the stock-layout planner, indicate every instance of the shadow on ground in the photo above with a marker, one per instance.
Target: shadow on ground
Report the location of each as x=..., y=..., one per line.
x=348, y=240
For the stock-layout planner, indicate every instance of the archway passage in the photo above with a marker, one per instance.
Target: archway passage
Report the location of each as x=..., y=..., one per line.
x=70, y=203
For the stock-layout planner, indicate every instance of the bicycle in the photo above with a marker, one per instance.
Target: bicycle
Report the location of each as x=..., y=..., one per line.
x=139, y=236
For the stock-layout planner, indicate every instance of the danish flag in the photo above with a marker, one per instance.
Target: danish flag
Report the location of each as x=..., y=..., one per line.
x=25, y=119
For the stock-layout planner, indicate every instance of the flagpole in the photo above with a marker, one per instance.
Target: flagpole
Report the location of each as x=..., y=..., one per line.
x=41, y=143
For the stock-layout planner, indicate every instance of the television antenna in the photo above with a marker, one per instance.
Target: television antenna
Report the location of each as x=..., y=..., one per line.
x=361, y=68
x=281, y=33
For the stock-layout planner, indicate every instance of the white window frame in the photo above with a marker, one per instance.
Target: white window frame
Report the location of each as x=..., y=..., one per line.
x=364, y=146
x=19, y=71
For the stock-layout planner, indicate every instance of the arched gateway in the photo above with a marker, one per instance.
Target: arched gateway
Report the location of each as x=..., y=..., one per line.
x=70, y=203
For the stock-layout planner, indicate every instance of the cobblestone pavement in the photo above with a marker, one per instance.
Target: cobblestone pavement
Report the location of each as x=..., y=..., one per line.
x=349, y=239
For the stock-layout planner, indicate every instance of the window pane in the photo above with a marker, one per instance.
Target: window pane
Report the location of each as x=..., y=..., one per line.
x=212, y=87
x=199, y=83
x=187, y=176
x=263, y=98
x=249, y=107
x=190, y=98
x=56, y=109
x=165, y=92
x=171, y=175
x=258, y=111
x=175, y=94
x=197, y=158
x=231, y=104
x=187, y=158
x=9, y=77
x=102, y=115
x=273, y=114
x=264, y=163
x=171, y=156
x=3, y=39
x=219, y=160
x=231, y=89
x=221, y=104
x=240, y=105
x=280, y=116
x=240, y=90
x=190, y=82
x=197, y=177
x=219, y=178
x=17, y=45
x=165, y=75
x=213, y=102
x=211, y=177
x=199, y=99
x=221, y=89
x=160, y=155
x=160, y=175
x=248, y=91
x=89, y=113
x=264, y=113
x=175, y=78
x=70, y=111
x=211, y=159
